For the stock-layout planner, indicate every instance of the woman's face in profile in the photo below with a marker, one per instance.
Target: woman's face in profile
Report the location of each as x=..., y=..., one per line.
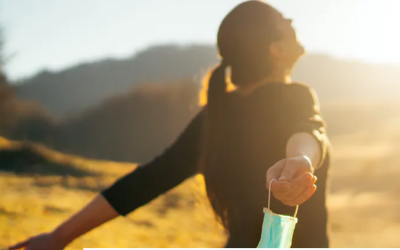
x=288, y=49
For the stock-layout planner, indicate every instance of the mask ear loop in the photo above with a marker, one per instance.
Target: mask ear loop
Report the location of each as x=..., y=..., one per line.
x=269, y=194
x=269, y=199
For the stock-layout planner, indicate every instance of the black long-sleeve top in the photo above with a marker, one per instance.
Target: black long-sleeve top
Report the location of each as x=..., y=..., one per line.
x=266, y=118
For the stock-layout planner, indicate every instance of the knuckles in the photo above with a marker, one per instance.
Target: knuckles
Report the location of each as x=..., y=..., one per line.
x=298, y=163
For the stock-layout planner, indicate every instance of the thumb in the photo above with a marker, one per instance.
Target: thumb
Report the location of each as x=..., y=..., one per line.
x=288, y=172
x=275, y=171
x=19, y=245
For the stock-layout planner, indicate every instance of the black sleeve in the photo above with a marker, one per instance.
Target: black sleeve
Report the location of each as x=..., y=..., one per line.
x=305, y=116
x=177, y=163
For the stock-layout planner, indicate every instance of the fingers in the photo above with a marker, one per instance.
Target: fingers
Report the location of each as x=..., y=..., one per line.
x=19, y=245
x=296, y=187
x=299, y=185
x=306, y=195
x=280, y=187
x=298, y=190
x=310, y=190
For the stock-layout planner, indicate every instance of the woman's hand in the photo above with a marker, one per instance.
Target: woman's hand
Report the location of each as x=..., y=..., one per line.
x=46, y=241
x=295, y=180
x=97, y=212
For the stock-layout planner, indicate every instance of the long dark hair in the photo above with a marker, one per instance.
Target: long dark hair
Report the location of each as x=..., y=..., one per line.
x=243, y=42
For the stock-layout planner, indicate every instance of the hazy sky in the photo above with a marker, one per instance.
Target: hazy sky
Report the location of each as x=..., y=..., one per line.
x=58, y=33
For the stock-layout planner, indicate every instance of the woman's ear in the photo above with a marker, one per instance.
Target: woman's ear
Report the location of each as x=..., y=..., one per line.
x=276, y=50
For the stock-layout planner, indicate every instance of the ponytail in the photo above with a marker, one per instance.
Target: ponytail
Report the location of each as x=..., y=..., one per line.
x=217, y=85
x=212, y=144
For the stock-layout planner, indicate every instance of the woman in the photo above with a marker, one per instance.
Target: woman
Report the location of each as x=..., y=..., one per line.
x=267, y=128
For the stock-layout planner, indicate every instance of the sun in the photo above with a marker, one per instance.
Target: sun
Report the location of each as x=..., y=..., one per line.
x=376, y=35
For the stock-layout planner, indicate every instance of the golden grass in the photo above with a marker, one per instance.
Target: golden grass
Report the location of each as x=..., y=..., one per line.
x=34, y=204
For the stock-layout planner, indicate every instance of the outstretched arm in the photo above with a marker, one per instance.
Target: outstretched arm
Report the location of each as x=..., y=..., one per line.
x=305, y=150
x=97, y=212
x=173, y=166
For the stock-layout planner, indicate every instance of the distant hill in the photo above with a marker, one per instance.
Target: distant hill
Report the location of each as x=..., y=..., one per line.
x=75, y=89
x=78, y=88
x=131, y=127
x=338, y=80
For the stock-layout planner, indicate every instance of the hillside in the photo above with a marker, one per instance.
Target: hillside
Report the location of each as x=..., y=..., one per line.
x=134, y=126
x=75, y=89
x=78, y=88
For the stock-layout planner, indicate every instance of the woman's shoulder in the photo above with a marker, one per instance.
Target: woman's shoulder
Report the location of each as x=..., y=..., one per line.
x=299, y=86
x=298, y=91
x=292, y=91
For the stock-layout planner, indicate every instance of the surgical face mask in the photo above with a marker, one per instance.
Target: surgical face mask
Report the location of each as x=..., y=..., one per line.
x=277, y=230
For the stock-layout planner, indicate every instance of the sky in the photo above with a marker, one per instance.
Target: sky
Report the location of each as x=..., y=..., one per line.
x=54, y=34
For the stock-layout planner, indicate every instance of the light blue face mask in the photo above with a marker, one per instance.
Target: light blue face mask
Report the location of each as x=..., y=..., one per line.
x=277, y=230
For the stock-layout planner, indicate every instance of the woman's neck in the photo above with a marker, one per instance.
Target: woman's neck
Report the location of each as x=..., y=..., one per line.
x=273, y=78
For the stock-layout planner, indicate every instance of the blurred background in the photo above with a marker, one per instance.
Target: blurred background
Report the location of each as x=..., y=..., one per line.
x=90, y=88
